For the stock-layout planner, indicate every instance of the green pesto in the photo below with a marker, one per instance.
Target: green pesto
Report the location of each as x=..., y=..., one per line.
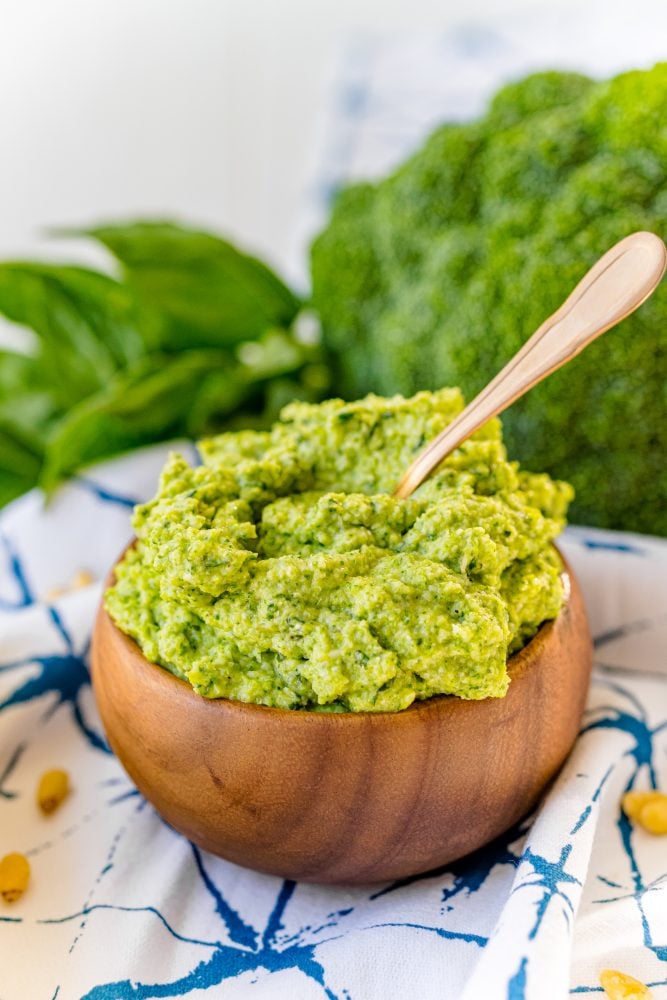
x=282, y=571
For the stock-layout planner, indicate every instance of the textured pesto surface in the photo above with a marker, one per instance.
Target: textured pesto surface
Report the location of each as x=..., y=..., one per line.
x=282, y=572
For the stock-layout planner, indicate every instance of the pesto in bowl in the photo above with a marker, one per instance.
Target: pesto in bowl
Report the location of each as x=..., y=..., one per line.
x=282, y=572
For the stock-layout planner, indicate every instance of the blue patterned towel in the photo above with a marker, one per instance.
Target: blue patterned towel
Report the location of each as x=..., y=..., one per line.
x=120, y=906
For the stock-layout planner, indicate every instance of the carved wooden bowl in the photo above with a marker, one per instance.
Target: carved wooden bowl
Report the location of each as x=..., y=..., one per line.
x=346, y=798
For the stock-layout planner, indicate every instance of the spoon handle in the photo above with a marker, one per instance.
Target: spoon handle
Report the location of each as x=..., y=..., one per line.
x=613, y=288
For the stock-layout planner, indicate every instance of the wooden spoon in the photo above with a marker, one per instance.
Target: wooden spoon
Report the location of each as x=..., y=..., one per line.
x=613, y=288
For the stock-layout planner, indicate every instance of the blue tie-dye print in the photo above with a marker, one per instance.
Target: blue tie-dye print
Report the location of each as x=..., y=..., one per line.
x=454, y=913
x=15, y=576
x=64, y=675
x=516, y=988
x=107, y=495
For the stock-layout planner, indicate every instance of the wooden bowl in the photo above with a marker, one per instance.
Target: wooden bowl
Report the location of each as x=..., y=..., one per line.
x=345, y=798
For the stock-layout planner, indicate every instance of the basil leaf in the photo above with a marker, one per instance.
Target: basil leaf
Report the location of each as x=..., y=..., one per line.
x=193, y=338
x=260, y=362
x=87, y=324
x=207, y=292
x=20, y=461
x=25, y=393
x=151, y=402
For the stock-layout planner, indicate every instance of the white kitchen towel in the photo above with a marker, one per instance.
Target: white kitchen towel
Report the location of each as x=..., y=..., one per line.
x=120, y=906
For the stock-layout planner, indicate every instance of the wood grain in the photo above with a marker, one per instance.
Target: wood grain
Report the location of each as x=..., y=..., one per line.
x=354, y=798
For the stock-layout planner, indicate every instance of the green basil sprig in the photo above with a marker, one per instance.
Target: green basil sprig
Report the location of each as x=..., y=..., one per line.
x=191, y=336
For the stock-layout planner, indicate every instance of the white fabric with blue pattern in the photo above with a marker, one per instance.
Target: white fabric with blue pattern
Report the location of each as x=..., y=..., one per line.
x=120, y=906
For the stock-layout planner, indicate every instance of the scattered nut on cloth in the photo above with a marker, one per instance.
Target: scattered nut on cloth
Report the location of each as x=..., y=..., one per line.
x=619, y=986
x=118, y=905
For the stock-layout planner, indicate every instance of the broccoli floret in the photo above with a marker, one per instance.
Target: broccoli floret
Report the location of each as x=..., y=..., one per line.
x=535, y=94
x=437, y=274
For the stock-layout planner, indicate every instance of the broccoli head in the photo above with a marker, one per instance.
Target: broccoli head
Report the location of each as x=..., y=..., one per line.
x=437, y=274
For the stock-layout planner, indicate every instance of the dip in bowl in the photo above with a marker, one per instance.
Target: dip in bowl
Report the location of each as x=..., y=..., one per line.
x=311, y=677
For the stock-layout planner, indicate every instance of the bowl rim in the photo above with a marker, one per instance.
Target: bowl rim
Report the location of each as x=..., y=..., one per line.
x=516, y=665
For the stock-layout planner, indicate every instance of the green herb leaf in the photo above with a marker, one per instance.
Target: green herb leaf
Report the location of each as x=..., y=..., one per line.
x=261, y=363
x=86, y=322
x=208, y=293
x=26, y=397
x=152, y=402
x=20, y=461
x=193, y=337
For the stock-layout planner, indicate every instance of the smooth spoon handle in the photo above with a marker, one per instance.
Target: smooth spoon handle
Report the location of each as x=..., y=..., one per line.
x=613, y=288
